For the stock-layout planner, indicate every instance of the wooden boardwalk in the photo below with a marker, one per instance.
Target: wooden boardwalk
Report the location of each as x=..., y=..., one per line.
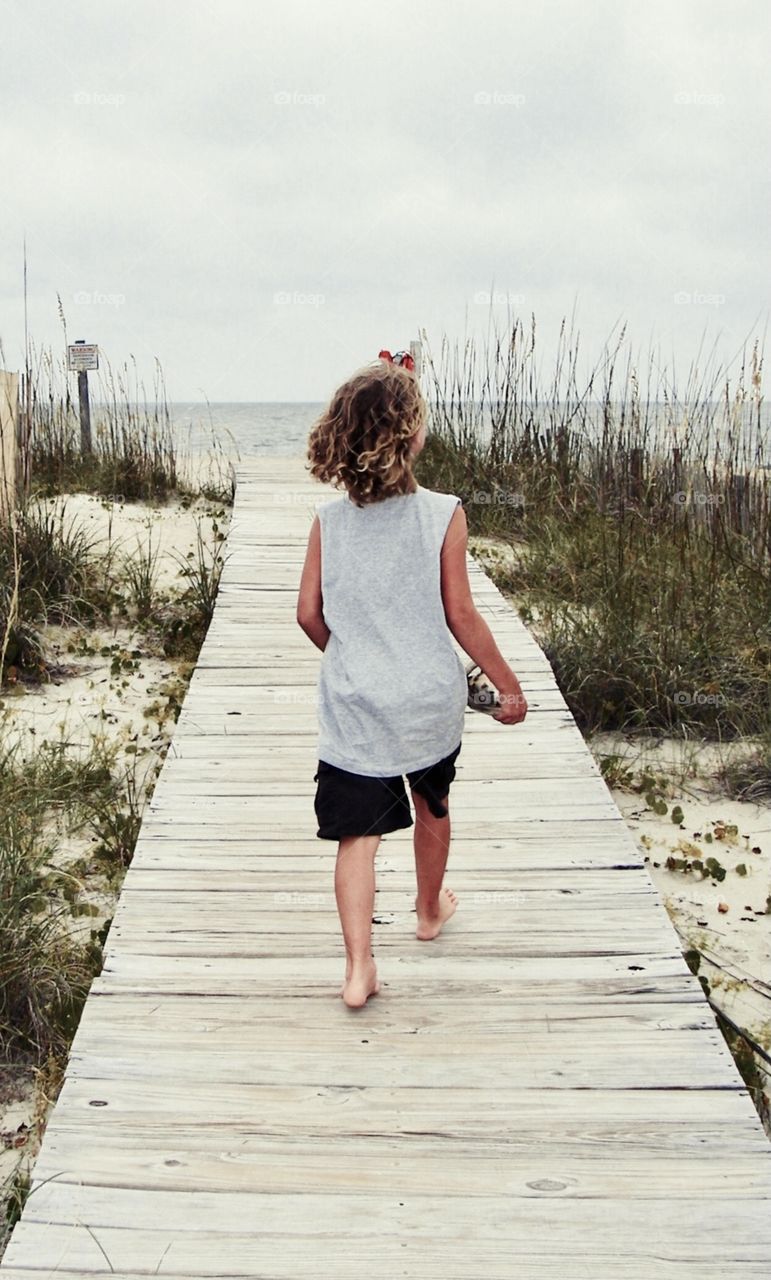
x=540, y=1093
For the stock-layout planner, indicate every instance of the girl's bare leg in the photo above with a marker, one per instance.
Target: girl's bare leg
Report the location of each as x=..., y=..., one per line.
x=355, y=894
x=434, y=904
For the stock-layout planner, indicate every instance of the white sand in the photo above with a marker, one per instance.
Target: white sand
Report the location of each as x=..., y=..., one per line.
x=76, y=704
x=735, y=940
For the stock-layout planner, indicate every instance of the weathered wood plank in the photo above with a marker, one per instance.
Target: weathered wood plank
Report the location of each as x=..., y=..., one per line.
x=478, y=856
x=188, y=1231
x=188, y=1159
x=585, y=1116
x=430, y=1258
x=532, y=887
x=671, y=1060
x=449, y=1015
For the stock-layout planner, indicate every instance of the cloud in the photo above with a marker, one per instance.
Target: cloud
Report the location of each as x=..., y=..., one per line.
x=276, y=192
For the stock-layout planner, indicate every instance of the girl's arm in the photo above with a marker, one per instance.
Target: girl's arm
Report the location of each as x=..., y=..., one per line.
x=463, y=618
x=310, y=614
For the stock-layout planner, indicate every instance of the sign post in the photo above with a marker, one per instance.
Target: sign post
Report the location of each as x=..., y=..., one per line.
x=82, y=356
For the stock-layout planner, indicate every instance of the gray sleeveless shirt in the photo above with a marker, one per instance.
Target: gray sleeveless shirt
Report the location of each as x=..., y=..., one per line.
x=392, y=688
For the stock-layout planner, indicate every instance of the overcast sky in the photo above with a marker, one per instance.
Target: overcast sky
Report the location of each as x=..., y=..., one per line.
x=263, y=195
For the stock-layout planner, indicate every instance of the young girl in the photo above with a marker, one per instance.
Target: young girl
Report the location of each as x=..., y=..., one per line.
x=383, y=585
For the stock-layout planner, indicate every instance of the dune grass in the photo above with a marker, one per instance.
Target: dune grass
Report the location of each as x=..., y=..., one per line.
x=45, y=975
x=639, y=529
x=50, y=568
x=47, y=970
x=133, y=452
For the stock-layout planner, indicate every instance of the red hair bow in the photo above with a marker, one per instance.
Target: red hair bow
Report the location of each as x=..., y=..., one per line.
x=401, y=357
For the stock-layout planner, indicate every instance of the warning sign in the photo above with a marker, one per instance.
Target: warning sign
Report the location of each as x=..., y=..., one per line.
x=82, y=355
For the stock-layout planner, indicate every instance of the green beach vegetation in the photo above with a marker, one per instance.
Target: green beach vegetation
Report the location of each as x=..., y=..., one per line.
x=632, y=529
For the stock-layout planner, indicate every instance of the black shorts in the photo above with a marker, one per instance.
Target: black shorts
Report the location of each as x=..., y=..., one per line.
x=351, y=804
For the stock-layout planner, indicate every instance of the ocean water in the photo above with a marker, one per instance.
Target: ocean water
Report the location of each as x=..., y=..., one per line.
x=283, y=428
x=249, y=429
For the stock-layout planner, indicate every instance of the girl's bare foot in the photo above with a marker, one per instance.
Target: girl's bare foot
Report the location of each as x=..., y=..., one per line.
x=430, y=925
x=361, y=982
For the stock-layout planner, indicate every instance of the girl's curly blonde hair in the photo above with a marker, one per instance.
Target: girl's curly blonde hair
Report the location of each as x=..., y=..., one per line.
x=363, y=438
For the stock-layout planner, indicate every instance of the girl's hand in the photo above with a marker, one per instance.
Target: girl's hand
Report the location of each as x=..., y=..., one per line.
x=513, y=707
